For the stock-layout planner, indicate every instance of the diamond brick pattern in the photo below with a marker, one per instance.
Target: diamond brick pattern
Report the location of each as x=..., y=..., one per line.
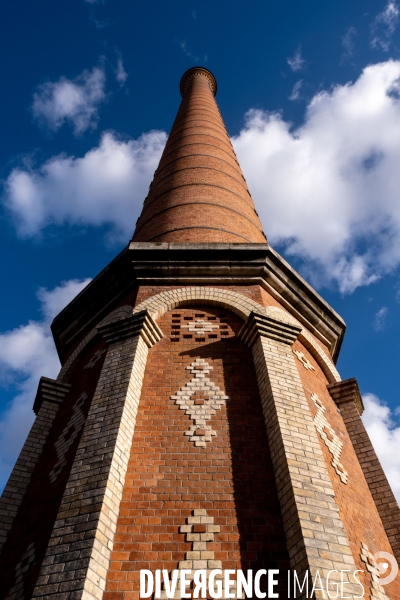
x=304, y=361
x=95, y=358
x=200, y=530
x=17, y=591
x=202, y=408
x=199, y=326
x=330, y=438
x=377, y=591
x=68, y=435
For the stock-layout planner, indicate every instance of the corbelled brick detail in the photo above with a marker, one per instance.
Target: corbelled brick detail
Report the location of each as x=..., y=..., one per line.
x=140, y=323
x=347, y=396
x=50, y=390
x=119, y=313
x=315, y=535
x=77, y=558
x=347, y=391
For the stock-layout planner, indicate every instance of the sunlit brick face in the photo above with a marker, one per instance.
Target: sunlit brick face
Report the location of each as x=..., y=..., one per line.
x=170, y=473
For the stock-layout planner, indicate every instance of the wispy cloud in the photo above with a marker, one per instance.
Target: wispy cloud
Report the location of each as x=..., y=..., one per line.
x=296, y=62
x=186, y=51
x=71, y=101
x=384, y=26
x=120, y=74
x=328, y=189
x=27, y=353
x=194, y=13
x=384, y=432
x=380, y=319
x=349, y=43
x=295, y=95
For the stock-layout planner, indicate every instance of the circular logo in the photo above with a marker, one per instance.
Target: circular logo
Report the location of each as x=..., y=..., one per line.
x=388, y=562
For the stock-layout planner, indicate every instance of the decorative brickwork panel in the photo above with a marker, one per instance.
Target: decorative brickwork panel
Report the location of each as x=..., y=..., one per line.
x=168, y=477
x=200, y=398
x=315, y=535
x=357, y=509
x=328, y=434
x=347, y=396
x=37, y=513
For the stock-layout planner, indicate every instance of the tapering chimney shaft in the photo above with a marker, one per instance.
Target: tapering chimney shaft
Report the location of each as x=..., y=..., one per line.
x=198, y=193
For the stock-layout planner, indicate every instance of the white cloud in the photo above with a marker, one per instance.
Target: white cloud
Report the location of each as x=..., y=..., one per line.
x=296, y=62
x=384, y=26
x=385, y=437
x=295, y=95
x=328, y=189
x=380, y=319
x=106, y=186
x=75, y=102
x=121, y=75
x=27, y=353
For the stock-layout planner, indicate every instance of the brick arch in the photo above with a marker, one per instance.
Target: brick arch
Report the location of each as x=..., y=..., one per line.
x=240, y=305
x=237, y=303
x=165, y=301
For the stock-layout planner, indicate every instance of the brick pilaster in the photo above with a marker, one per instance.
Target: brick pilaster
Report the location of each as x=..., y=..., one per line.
x=77, y=558
x=315, y=535
x=48, y=399
x=347, y=396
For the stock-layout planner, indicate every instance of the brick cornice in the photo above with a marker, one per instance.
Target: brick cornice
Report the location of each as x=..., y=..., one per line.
x=140, y=323
x=188, y=76
x=197, y=264
x=51, y=390
x=347, y=391
x=260, y=325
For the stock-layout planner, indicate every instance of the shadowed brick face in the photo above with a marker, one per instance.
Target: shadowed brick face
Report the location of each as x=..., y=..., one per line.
x=168, y=476
x=198, y=193
x=36, y=515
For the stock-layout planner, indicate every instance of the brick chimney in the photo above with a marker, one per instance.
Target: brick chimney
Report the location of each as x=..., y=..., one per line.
x=198, y=193
x=198, y=420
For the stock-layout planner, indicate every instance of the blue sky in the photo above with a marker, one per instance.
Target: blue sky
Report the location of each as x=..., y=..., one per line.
x=310, y=94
